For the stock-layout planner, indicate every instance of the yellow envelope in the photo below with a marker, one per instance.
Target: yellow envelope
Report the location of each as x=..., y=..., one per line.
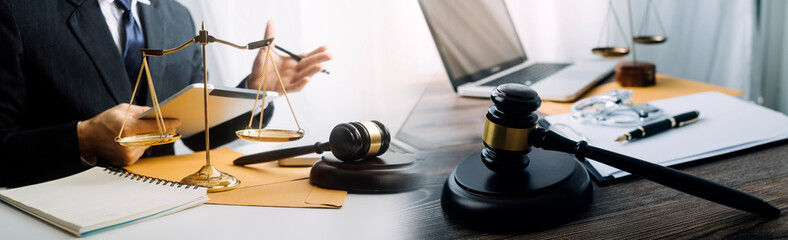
x=298, y=193
x=264, y=184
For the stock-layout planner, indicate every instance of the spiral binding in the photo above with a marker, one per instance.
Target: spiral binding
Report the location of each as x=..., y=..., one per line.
x=134, y=176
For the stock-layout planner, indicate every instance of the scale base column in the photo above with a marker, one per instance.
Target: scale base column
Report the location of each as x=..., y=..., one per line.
x=551, y=190
x=215, y=180
x=636, y=74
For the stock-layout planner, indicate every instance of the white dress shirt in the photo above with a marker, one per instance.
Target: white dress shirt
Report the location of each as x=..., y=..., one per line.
x=113, y=14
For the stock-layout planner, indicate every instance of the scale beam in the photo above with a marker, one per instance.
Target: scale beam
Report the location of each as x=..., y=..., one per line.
x=208, y=176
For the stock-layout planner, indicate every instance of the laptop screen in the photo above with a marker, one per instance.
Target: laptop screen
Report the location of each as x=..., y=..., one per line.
x=475, y=38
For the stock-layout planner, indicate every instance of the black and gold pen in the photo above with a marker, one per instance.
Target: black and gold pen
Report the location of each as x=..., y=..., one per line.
x=661, y=126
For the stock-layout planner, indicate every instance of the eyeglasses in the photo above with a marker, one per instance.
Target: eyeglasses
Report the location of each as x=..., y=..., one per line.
x=614, y=108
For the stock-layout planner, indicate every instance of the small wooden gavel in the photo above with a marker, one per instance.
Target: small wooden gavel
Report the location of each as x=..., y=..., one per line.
x=348, y=142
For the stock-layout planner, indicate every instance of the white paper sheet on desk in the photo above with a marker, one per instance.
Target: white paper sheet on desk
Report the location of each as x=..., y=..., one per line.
x=726, y=124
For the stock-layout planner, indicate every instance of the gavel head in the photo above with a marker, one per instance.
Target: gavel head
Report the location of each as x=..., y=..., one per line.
x=355, y=140
x=507, y=127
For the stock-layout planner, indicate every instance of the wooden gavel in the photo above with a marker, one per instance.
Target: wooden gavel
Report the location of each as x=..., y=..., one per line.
x=510, y=133
x=348, y=142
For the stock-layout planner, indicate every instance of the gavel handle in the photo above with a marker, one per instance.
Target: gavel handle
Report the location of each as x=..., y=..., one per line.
x=282, y=154
x=669, y=177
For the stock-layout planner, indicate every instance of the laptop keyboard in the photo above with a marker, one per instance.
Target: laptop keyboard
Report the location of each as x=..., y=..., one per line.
x=530, y=74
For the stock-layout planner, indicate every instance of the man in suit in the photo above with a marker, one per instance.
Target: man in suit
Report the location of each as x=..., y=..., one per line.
x=68, y=66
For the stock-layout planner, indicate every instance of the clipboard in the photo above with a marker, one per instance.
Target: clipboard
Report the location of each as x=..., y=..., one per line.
x=543, y=123
x=721, y=130
x=224, y=103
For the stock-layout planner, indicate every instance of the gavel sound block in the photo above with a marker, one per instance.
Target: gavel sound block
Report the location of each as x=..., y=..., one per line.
x=509, y=186
x=381, y=174
x=356, y=162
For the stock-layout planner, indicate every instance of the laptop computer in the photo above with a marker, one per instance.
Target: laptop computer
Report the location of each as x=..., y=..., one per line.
x=480, y=50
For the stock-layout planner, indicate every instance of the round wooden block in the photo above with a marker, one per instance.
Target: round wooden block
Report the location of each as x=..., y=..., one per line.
x=387, y=173
x=553, y=189
x=640, y=74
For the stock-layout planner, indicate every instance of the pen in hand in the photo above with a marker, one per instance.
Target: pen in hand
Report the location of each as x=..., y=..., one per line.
x=296, y=57
x=660, y=126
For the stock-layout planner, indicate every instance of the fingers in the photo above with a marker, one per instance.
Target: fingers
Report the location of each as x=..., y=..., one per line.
x=316, y=51
x=309, y=71
x=270, y=29
x=134, y=110
x=150, y=126
x=288, y=64
x=312, y=60
x=96, y=134
x=297, y=85
x=295, y=74
x=137, y=111
x=124, y=156
x=307, y=67
x=171, y=124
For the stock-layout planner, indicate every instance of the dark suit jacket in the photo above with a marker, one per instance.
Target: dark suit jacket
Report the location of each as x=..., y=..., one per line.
x=59, y=65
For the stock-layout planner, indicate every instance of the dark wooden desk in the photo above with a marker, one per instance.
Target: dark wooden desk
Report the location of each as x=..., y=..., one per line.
x=448, y=128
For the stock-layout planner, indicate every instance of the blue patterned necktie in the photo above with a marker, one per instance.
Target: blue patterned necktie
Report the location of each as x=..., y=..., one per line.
x=132, y=57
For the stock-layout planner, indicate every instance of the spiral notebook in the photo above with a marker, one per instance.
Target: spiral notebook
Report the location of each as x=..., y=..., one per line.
x=102, y=198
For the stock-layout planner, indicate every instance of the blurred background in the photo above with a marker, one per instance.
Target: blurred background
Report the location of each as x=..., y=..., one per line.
x=384, y=55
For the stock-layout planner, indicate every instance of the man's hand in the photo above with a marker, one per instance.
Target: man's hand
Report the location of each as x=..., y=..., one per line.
x=97, y=135
x=295, y=75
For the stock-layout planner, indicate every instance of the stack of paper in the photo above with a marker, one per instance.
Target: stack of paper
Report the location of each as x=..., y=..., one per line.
x=726, y=124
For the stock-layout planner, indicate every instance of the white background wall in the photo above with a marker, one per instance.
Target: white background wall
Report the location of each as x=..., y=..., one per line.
x=382, y=49
x=708, y=40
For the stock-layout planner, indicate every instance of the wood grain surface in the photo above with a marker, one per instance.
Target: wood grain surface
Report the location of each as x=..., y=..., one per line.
x=447, y=129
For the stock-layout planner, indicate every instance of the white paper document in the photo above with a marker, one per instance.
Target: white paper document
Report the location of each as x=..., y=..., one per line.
x=726, y=124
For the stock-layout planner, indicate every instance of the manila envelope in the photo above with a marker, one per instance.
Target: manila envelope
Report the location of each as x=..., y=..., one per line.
x=263, y=184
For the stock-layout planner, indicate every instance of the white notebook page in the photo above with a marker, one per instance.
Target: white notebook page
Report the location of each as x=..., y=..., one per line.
x=97, y=198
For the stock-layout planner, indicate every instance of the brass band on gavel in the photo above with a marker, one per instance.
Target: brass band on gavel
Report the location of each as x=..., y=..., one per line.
x=506, y=138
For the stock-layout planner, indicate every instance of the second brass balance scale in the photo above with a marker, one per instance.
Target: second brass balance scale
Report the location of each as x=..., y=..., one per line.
x=611, y=50
x=208, y=176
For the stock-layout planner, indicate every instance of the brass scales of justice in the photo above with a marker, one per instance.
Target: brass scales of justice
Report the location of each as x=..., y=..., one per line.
x=208, y=176
x=634, y=73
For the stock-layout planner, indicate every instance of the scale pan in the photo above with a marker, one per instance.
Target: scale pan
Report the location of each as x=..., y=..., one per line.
x=269, y=135
x=653, y=39
x=150, y=139
x=611, y=51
